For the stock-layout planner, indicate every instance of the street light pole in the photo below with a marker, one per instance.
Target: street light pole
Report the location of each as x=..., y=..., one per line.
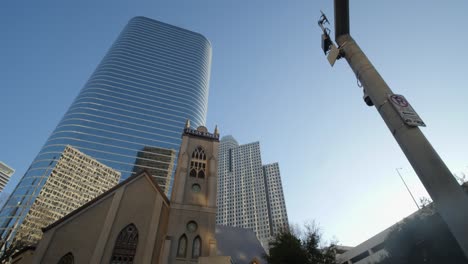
x=450, y=200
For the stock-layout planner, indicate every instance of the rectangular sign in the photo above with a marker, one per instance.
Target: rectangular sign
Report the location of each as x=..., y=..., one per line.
x=407, y=113
x=333, y=54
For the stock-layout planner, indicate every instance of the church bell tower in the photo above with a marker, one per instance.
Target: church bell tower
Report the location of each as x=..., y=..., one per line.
x=192, y=218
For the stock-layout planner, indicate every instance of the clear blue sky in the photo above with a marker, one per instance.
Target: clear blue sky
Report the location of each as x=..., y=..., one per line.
x=270, y=82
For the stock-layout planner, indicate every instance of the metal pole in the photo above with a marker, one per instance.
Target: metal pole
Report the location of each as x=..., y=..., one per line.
x=407, y=188
x=449, y=199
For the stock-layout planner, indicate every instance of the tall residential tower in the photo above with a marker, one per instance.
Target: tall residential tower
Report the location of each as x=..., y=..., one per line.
x=75, y=180
x=250, y=195
x=154, y=77
x=5, y=174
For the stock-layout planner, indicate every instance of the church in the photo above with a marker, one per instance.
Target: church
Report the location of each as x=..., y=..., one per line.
x=134, y=222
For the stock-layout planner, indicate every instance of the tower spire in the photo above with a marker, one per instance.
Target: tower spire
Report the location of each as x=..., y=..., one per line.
x=216, y=131
x=187, y=123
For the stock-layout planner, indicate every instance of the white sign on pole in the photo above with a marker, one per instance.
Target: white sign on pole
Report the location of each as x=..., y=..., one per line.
x=407, y=113
x=333, y=54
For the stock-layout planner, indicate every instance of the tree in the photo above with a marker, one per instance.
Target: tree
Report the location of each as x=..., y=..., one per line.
x=286, y=248
x=460, y=177
x=289, y=246
x=422, y=238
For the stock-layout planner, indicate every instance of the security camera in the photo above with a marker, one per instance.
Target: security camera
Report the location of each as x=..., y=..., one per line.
x=367, y=99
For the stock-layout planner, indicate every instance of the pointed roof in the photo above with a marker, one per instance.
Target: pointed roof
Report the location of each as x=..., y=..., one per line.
x=142, y=173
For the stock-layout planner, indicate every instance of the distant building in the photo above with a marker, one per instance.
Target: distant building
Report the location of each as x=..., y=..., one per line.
x=5, y=173
x=153, y=78
x=373, y=250
x=370, y=251
x=74, y=180
x=340, y=250
x=276, y=205
x=250, y=195
x=159, y=163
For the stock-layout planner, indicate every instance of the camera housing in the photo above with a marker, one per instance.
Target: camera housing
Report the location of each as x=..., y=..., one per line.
x=367, y=99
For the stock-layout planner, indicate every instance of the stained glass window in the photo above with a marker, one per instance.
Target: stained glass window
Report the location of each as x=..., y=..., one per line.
x=198, y=163
x=182, y=247
x=196, y=247
x=125, y=246
x=67, y=259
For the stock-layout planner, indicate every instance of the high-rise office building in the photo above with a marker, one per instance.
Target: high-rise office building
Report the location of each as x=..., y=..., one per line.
x=250, y=195
x=159, y=163
x=154, y=77
x=5, y=174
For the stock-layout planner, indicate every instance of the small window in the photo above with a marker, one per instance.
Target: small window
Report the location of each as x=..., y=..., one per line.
x=192, y=226
x=360, y=257
x=201, y=174
x=198, y=163
x=196, y=247
x=199, y=153
x=67, y=259
x=182, y=246
x=193, y=173
x=378, y=247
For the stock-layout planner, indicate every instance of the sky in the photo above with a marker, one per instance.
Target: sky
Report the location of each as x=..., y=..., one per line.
x=270, y=82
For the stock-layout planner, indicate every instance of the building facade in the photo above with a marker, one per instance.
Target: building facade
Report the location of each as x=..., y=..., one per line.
x=75, y=179
x=277, y=214
x=134, y=222
x=154, y=77
x=250, y=195
x=5, y=173
x=192, y=217
x=126, y=224
x=412, y=242
x=159, y=163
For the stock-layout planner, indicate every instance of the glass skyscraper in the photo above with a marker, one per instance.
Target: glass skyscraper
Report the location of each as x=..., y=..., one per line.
x=154, y=77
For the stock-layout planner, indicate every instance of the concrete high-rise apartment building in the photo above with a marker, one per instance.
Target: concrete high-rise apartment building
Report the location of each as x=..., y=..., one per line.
x=74, y=180
x=277, y=206
x=250, y=194
x=5, y=173
x=153, y=78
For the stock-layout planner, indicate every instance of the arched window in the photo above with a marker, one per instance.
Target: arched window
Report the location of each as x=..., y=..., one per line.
x=67, y=259
x=198, y=163
x=196, y=247
x=182, y=246
x=193, y=173
x=125, y=246
x=199, y=153
x=201, y=174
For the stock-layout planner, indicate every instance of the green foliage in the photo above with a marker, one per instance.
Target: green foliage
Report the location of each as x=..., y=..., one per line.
x=288, y=247
x=424, y=238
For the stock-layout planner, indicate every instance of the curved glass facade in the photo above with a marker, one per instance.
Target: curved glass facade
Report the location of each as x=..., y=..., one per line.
x=154, y=77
